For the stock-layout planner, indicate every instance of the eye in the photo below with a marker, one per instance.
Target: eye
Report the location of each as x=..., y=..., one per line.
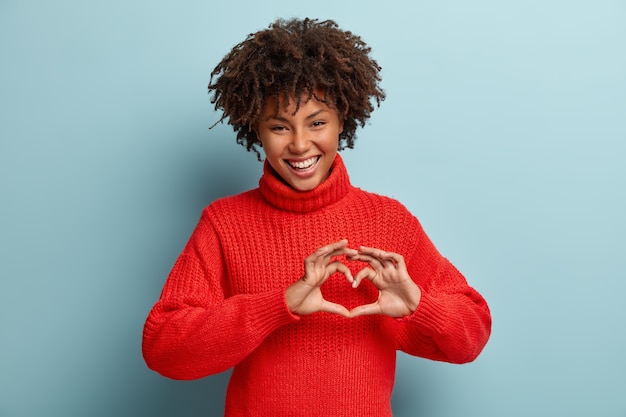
x=278, y=128
x=318, y=123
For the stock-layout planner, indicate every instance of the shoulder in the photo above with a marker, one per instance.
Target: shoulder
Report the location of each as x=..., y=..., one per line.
x=378, y=202
x=390, y=224
x=231, y=205
x=384, y=212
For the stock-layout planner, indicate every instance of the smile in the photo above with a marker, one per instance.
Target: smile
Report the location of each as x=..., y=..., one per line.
x=303, y=165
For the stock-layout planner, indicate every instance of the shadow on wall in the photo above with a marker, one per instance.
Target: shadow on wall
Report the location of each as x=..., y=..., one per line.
x=224, y=171
x=210, y=168
x=199, y=398
x=415, y=387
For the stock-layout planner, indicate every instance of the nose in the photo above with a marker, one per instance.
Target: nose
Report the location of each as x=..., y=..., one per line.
x=300, y=143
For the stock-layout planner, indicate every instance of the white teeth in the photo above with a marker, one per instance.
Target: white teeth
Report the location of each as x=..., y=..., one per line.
x=303, y=164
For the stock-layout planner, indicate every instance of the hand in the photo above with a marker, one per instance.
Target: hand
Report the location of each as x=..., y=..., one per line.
x=304, y=296
x=398, y=295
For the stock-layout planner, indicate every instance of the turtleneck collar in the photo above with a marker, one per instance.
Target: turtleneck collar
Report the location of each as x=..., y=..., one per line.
x=283, y=196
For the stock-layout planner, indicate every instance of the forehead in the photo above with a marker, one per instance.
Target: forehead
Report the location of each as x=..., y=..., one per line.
x=289, y=104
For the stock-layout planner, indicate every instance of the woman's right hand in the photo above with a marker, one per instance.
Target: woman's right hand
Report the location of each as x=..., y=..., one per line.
x=304, y=296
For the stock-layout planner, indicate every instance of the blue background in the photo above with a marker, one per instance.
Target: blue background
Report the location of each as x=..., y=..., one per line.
x=504, y=131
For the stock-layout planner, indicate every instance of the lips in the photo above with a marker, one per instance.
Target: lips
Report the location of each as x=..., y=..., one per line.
x=304, y=164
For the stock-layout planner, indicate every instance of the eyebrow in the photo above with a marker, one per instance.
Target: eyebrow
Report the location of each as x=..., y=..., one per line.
x=283, y=119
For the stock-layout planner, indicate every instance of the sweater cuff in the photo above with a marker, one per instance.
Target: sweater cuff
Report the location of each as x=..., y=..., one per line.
x=429, y=316
x=272, y=310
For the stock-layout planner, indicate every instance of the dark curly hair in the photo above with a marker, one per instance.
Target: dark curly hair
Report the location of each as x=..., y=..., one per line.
x=294, y=58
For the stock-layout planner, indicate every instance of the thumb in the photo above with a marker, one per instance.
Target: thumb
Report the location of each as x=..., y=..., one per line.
x=365, y=310
x=334, y=308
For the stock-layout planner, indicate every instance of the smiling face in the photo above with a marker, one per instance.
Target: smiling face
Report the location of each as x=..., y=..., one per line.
x=301, y=147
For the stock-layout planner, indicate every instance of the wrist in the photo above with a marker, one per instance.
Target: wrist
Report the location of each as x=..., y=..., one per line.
x=293, y=296
x=413, y=297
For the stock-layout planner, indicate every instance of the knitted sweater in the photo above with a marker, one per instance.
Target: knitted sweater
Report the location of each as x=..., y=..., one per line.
x=223, y=303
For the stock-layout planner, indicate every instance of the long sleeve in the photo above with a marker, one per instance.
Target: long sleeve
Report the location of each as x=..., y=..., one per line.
x=194, y=330
x=452, y=323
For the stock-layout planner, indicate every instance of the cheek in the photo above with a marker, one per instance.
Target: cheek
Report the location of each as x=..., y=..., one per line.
x=272, y=147
x=332, y=141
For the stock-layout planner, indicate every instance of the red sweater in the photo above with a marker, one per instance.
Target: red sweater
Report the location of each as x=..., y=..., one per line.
x=223, y=303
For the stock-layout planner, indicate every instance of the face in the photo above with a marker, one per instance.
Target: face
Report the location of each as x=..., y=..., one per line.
x=301, y=147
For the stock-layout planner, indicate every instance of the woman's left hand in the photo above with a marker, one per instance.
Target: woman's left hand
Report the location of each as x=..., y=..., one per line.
x=398, y=295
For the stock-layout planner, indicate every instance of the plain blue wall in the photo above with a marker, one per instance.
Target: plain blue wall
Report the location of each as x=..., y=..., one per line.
x=504, y=131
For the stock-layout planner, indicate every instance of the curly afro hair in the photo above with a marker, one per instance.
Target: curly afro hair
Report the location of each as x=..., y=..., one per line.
x=293, y=59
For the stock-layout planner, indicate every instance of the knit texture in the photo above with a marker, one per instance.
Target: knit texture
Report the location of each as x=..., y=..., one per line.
x=223, y=303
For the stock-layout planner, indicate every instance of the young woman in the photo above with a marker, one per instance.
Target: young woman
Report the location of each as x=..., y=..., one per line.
x=307, y=286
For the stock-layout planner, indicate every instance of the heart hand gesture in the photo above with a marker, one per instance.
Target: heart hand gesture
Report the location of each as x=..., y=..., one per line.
x=398, y=294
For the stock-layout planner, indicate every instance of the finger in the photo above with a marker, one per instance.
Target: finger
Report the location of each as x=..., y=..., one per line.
x=365, y=273
x=366, y=310
x=370, y=250
x=343, y=250
x=375, y=263
x=334, y=308
x=399, y=260
x=326, y=250
x=385, y=258
x=324, y=253
x=333, y=249
x=337, y=267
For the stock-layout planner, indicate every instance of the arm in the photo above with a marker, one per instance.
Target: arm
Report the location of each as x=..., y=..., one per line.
x=452, y=322
x=193, y=330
